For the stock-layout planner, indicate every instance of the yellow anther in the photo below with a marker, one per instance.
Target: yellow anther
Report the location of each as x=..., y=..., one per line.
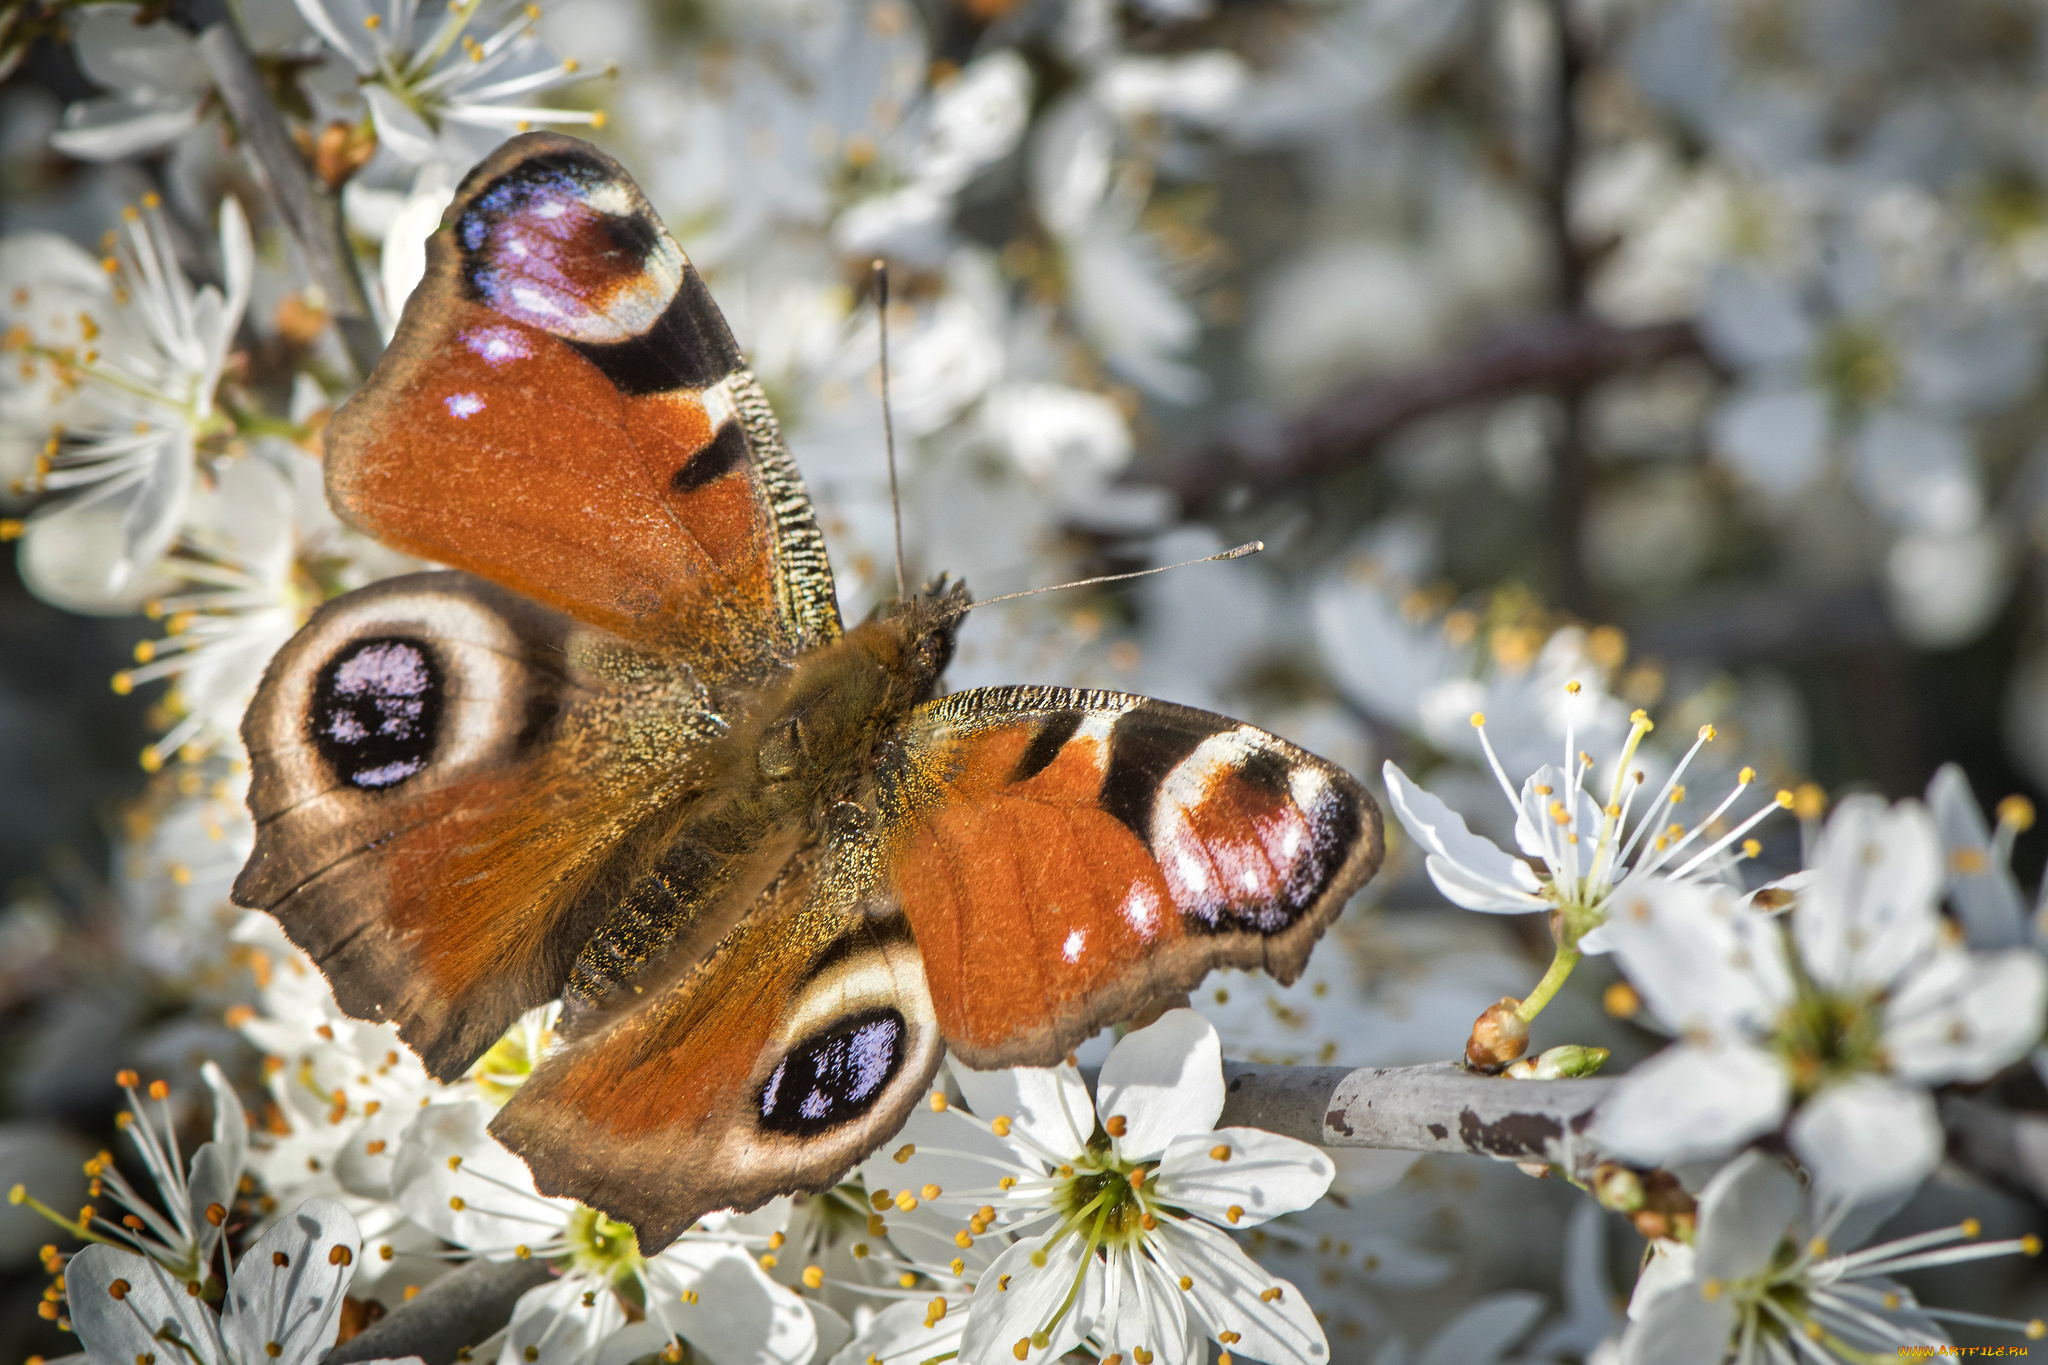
x=814, y=1277
x=906, y=1201
x=930, y=1192
x=938, y=1101
x=455, y=1202
x=878, y=1200
x=2016, y=811
x=905, y=1152
x=1234, y=1212
x=1001, y=1126
x=963, y=1239
x=2030, y=1245
x=598, y=118
x=1478, y=719
x=1220, y=1152
x=769, y=1260
x=1751, y=847
x=1116, y=1126
x=1710, y=1290
x=1572, y=688
x=1784, y=799
x=1817, y=1248
x=374, y=21
x=1007, y=1182
x=1186, y=1283
x=1678, y=794
x=1971, y=1228
x=775, y=1241
x=455, y=1163
x=1709, y=733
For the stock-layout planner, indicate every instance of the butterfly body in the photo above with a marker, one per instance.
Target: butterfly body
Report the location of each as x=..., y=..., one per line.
x=622, y=753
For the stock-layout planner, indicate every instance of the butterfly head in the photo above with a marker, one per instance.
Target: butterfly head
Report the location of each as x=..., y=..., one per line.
x=924, y=625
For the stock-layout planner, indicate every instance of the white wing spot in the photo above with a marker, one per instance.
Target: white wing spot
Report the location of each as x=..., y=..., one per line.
x=1075, y=941
x=1141, y=908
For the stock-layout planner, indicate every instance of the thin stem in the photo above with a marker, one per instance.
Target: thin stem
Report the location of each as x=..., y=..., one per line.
x=1560, y=968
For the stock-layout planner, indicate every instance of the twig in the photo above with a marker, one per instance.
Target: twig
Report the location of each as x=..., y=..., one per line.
x=312, y=214
x=459, y=1309
x=1547, y=353
x=1438, y=1108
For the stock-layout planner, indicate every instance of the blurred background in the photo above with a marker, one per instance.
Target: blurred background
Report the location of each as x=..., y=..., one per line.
x=1692, y=349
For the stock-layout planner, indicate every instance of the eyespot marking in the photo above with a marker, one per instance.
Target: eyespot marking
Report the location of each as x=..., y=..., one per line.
x=833, y=1077
x=376, y=711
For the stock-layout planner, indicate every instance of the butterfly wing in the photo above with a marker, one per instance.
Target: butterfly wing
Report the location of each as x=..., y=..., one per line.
x=772, y=1065
x=451, y=785
x=564, y=411
x=1066, y=858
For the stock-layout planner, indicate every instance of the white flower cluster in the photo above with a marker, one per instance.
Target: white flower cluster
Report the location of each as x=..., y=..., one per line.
x=1786, y=269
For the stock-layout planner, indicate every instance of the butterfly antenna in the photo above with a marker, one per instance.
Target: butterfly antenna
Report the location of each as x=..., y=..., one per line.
x=889, y=422
x=1250, y=547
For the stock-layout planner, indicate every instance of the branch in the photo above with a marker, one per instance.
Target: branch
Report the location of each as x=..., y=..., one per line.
x=459, y=1309
x=312, y=214
x=1548, y=353
x=1436, y=1108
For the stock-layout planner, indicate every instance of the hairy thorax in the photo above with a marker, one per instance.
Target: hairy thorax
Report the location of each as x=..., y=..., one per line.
x=801, y=749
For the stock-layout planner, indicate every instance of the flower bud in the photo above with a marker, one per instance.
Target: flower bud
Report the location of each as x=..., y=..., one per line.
x=1559, y=1063
x=1499, y=1036
x=1617, y=1188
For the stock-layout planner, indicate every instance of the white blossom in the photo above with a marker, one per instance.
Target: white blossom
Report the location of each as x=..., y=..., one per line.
x=115, y=397
x=1763, y=1281
x=1840, y=1014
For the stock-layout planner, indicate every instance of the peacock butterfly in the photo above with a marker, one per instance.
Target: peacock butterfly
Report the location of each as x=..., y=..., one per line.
x=624, y=754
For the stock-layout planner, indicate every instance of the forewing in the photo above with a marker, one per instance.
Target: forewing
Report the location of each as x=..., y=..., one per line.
x=451, y=785
x=564, y=411
x=1067, y=858
x=772, y=1066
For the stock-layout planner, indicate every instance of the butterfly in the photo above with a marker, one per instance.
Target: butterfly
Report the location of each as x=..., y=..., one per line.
x=624, y=753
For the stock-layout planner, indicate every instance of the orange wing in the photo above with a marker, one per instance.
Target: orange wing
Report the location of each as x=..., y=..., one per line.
x=564, y=411
x=1066, y=858
x=773, y=1065
x=451, y=787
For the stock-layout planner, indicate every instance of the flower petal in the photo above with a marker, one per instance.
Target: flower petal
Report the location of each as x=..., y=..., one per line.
x=1015, y=1299
x=1262, y=1176
x=1482, y=1334
x=1163, y=1080
x=1144, y=1308
x=1867, y=1138
x=1691, y=1101
x=739, y=1316
x=284, y=1298
x=1870, y=912
x=1743, y=1214
x=1048, y=1107
x=1681, y=1327
x=1966, y=1015
x=898, y=1336
x=552, y=1324
x=1700, y=959
x=1442, y=831
x=1233, y=1293
x=125, y=1329
x=484, y=1202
